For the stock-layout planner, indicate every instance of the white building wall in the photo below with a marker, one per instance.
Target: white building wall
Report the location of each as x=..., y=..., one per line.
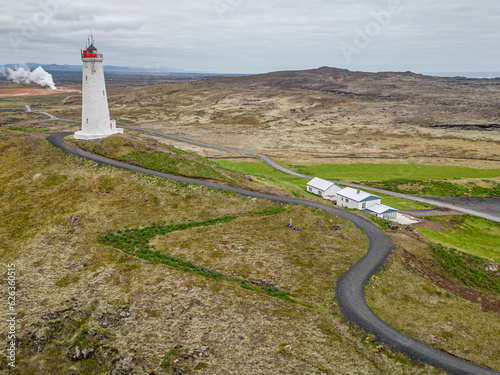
x=353, y=204
x=347, y=203
x=95, y=112
x=314, y=190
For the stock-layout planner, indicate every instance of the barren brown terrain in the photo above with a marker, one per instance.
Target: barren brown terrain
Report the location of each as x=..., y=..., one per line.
x=312, y=116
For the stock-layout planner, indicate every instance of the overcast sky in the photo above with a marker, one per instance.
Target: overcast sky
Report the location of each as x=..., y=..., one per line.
x=253, y=36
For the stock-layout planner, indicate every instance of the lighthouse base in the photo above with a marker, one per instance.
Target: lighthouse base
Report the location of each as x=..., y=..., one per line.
x=82, y=136
x=86, y=135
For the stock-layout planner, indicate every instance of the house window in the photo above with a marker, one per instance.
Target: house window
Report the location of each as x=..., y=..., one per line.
x=347, y=200
x=310, y=189
x=364, y=205
x=320, y=192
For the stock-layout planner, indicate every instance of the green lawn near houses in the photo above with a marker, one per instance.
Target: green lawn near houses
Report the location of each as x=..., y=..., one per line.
x=262, y=170
x=381, y=172
x=400, y=203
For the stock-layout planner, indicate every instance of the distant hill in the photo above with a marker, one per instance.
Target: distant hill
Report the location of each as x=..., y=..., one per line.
x=381, y=85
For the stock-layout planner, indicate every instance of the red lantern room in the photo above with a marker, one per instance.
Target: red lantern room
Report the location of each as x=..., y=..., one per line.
x=91, y=52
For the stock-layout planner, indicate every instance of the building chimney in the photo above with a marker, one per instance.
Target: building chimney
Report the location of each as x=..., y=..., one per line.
x=359, y=191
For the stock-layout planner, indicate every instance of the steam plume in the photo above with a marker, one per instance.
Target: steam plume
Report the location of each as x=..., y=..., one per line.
x=23, y=75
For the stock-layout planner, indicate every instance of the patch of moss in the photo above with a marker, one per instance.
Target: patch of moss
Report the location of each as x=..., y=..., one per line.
x=55, y=179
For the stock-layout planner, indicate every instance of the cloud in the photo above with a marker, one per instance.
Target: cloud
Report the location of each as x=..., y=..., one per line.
x=251, y=36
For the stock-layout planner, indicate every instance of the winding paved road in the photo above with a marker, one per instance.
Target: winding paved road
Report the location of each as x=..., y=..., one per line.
x=350, y=286
x=273, y=164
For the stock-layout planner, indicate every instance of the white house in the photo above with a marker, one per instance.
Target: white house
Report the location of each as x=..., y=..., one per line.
x=324, y=188
x=356, y=199
x=383, y=211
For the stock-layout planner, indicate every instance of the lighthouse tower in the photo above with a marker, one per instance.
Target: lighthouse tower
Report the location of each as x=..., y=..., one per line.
x=95, y=113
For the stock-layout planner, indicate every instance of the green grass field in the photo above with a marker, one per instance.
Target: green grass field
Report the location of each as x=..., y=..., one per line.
x=380, y=172
x=260, y=169
x=468, y=233
x=402, y=204
x=263, y=171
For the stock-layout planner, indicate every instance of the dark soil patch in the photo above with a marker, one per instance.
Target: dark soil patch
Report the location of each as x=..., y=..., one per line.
x=413, y=264
x=487, y=127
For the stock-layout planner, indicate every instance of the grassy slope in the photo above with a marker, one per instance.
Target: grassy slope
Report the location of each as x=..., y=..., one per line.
x=264, y=172
x=69, y=283
x=468, y=233
x=151, y=154
x=418, y=308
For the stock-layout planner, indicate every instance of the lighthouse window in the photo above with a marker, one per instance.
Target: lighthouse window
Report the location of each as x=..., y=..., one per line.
x=87, y=121
x=103, y=94
x=85, y=78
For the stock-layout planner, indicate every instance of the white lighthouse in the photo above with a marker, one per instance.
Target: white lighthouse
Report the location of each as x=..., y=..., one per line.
x=95, y=113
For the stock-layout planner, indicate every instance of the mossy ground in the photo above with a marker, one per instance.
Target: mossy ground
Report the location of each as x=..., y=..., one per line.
x=55, y=206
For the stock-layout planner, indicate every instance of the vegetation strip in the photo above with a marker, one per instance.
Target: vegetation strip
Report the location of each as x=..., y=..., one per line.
x=466, y=233
x=135, y=242
x=469, y=269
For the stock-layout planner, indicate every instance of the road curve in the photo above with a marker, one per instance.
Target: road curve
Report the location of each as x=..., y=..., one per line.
x=273, y=164
x=350, y=286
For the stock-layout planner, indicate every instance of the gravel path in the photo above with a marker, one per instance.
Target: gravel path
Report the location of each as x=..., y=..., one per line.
x=350, y=286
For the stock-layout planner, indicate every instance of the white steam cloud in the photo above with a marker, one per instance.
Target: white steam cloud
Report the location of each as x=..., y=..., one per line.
x=23, y=75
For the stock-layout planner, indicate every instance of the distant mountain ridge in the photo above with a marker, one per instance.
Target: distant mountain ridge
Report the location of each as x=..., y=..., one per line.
x=109, y=68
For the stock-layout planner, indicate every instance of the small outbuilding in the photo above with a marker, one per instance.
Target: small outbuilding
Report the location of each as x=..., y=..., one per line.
x=324, y=188
x=356, y=199
x=383, y=211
